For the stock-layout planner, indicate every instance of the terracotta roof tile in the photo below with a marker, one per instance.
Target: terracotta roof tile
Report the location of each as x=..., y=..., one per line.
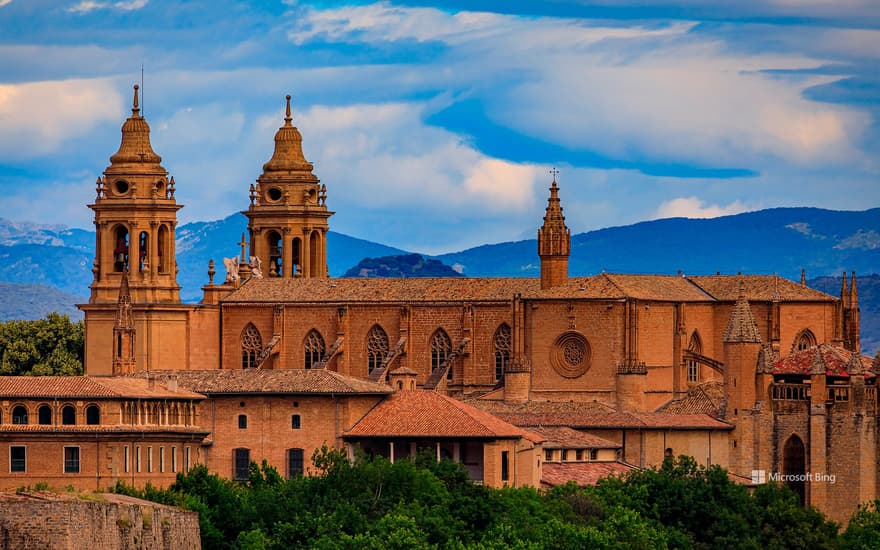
x=86, y=387
x=616, y=420
x=540, y=407
x=567, y=438
x=287, y=381
x=102, y=428
x=381, y=290
x=426, y=413
x=832, y=360
x=758, y=288
x=705, y=398
x=582, y=473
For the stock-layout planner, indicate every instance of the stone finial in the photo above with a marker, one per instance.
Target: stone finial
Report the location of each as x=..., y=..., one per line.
x=741, y=326
x=855, y=367
x=211, y=272
x=287, y=118
x=844, y=291
x=135, y=109
x=803, y=277
x=766, y=357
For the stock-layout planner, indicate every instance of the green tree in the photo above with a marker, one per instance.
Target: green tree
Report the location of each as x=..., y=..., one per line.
x=53, y=345
x=863, y=531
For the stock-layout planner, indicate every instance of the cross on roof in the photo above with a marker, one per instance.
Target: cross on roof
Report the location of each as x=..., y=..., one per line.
x=554, y=172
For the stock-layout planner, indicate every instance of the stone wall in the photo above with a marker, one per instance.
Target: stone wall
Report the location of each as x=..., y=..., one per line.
x=40, y=520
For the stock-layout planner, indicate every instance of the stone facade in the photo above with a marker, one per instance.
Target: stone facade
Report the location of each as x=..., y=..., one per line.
x=42, y=520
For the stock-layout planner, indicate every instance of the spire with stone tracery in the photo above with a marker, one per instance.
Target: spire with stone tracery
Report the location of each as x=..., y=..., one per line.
x=554, y=241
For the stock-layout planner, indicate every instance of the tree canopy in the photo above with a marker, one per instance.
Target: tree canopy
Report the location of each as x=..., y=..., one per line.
x=53, y=345
x=371, y=503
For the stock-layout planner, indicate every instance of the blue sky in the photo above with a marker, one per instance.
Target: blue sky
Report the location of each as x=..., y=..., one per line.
x=434, y=124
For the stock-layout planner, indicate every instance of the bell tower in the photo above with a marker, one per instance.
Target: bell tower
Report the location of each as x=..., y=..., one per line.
x=554, y=241
x=287, y=217
x=135, y=219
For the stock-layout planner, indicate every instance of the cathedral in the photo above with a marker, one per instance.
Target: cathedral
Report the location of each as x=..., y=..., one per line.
x=524, y=381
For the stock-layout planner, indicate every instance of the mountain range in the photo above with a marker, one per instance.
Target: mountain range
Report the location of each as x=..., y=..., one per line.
x=779, y=240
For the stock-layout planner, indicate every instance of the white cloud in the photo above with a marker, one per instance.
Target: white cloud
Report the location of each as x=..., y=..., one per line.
x=693, y=207
x=89, y=5
x=39, y=116
x=4, y=3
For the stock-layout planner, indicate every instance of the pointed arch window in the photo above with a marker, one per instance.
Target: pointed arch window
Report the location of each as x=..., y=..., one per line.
x=251, y=346
x=502, y=350
x=693, y=367
x=804, y=340
x=441, y=348
x=314, y=348
x=377, y=347
x=161, y=246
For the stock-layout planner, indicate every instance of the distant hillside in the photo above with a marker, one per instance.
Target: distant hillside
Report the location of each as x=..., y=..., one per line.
x=403, y=265
x=24, y=301
x=779, y=240
x=62, y=258
x=869, y=304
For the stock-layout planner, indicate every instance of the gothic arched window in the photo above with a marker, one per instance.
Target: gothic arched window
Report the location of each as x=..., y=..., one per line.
x=377, y=347
x=314, y=348
x=693, y=368
x=805, y=339
x=502, y=350
x=251, y=346
x=441, y=348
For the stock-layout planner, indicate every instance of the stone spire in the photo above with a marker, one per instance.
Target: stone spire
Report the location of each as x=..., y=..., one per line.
x=554, y=241
x=135, y=151
x=123, y=305
x=288, y=158
x=123, y=344
x=741, y=327
x=803, y=277
x=853, y=292
x=844, y=291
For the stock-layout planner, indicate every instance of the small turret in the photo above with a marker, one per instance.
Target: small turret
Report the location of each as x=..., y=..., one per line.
x=554, y=241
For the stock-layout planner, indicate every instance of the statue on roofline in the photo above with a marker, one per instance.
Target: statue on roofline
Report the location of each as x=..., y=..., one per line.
x=231, y=265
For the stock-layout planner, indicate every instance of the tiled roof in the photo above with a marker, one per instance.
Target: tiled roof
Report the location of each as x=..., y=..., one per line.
x=705, y=398
x=540, y=407
x=590, y=414
x=617, y=421
x=101, y=428
x=381, y=290
x=464, y=289
x=582, y=473
x=758, y=288
x=426, y=413
x=832, y=360
x=287, y=381
x=658, y=287
x=567, y=438
x=86, y=387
